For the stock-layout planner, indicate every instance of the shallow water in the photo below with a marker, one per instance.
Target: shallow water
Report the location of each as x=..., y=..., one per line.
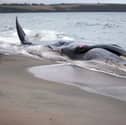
x=88, y=80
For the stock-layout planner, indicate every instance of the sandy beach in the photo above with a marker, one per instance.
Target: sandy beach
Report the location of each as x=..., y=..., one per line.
x=26, y=100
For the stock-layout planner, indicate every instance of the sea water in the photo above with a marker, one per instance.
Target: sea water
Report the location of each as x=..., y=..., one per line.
x=87, y=27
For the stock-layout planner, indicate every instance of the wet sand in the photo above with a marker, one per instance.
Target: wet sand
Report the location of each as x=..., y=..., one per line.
x=26, y=100
x=83, y=78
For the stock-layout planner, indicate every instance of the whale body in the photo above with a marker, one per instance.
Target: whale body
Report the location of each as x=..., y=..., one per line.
x=77, y=52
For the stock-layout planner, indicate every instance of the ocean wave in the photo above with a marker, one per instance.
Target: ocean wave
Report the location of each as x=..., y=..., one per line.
x=97, y=24
x=43, y=36
x=87, y=24
x=110, y=68
x=110, y=25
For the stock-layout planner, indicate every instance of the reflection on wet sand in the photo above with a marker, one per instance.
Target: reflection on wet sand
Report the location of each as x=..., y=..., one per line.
x=89, y=80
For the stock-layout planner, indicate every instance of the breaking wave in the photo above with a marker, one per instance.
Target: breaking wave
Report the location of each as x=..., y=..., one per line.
x=41, y=37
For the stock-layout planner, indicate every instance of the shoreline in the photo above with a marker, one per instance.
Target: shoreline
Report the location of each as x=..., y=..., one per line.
x=28, y=100
x=63, y=7
x=107, y=84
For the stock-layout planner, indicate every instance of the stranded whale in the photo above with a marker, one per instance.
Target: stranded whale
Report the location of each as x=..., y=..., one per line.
x=77, y=52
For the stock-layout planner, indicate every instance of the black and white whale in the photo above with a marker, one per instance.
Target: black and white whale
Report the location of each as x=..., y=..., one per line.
x=75, y=52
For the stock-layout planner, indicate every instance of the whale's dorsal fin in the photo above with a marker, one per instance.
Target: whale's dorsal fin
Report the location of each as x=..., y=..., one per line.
x=21, y=34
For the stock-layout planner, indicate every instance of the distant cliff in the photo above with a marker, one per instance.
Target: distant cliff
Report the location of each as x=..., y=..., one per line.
x=7, y=8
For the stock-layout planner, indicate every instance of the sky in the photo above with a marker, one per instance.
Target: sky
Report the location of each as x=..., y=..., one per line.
x=62, y=1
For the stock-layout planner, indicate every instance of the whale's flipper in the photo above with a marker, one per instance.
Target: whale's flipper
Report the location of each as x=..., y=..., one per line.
x=21, y=34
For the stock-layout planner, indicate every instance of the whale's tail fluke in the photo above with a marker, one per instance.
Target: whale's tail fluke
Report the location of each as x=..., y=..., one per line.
x=21, y=34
